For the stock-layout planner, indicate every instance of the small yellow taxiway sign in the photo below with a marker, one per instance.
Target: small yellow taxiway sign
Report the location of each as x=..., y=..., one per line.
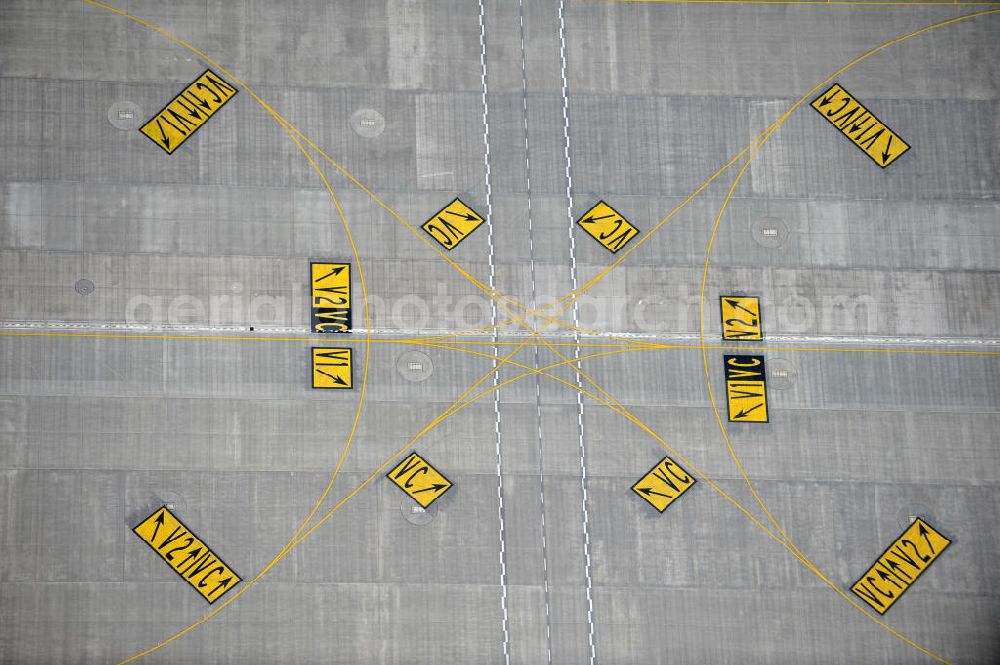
x=331, y=368
x=186, y=555
x=860, y=125
x=741, y=318
x=664, y=484
x=607, y=226
x=331, y=297
x=452, y=224
x=746, y=389
x=422, y=482
x=188, y=111
x=900, y=565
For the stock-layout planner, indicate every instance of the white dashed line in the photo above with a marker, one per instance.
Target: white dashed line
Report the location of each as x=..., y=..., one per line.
x=493, y=321
x=576, y=322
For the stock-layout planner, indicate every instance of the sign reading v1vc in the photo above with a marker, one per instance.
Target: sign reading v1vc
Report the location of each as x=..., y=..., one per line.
x=900, y=566
x=188, y=111
x=746, y=389
x=187, y=555
x=330, y=304
x=860, y=125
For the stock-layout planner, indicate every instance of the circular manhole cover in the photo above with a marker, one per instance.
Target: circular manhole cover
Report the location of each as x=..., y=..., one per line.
x=415, y=366
x=368, y=123
x=416, y=514
x=84, y=287
x=769, y=232
x=125, y=115
x=781, y=373
x=172, y=500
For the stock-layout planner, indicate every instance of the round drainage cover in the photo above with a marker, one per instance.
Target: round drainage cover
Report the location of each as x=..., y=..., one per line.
x=368, y=123
x=415, y=366
x=416, y=514
x=84, y=287
x=781, y=373
x=172, y=500
x=125, y=115
x=769, y=232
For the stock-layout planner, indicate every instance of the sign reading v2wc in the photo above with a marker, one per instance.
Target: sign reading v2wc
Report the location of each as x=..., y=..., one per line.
x=452, y=224
x=746, y=389
x=330, y=302
x=900, y=565
x=187, y=555
x=860, y=125
x=421, y=481
x=188, y=111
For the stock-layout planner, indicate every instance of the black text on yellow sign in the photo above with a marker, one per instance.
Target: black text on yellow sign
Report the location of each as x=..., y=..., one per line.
x=900, y=565
x=860, y=125
x=452, y=224
x=664, y=484
x=741, y=318
x=422, y=482
x=188, y=111
x=331, y=297
x=746, y=389
x=607, y=226
x=187, y=555
x=331, y=368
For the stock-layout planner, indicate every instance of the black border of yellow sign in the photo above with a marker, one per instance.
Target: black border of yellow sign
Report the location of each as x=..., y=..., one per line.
x=897, y=540
x=762, y=380
x=239, y=578
x=350, y=367
x=760, y=320
x=175, y=98
x=313, y=311
x=840, y=131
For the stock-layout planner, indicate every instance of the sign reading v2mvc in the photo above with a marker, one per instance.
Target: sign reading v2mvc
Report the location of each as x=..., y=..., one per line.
x=188, y=111
x=900, y=565
x=330, y=303
x=187, y=555
x=860, y=125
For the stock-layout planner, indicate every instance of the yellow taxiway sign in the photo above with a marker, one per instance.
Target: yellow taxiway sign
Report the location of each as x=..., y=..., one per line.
x=899, y=566
x=452, y=224
x=331, y=368
x=331, y=297
x=421, y=481
x=607, y=226
x=664, y=484
x=860, y=125
x=188, y=111
x=746, y=389
x=741, y=318
x=186, y=555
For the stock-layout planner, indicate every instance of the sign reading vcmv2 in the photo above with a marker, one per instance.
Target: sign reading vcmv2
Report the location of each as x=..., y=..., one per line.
x=188, y=111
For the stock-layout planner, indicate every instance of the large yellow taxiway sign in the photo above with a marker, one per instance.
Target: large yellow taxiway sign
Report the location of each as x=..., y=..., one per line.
x=860, y=125
x=664, y=483
x=331, y=297
x=422, y=482
x=187, y=555
x=741, y=318
x=746, y=389
x=900, y=566
x=452, y=224
x=607, y=226
x=331, y=368
x=188, y=111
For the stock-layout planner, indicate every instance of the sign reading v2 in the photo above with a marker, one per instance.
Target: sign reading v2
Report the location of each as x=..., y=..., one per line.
x=188, y=111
